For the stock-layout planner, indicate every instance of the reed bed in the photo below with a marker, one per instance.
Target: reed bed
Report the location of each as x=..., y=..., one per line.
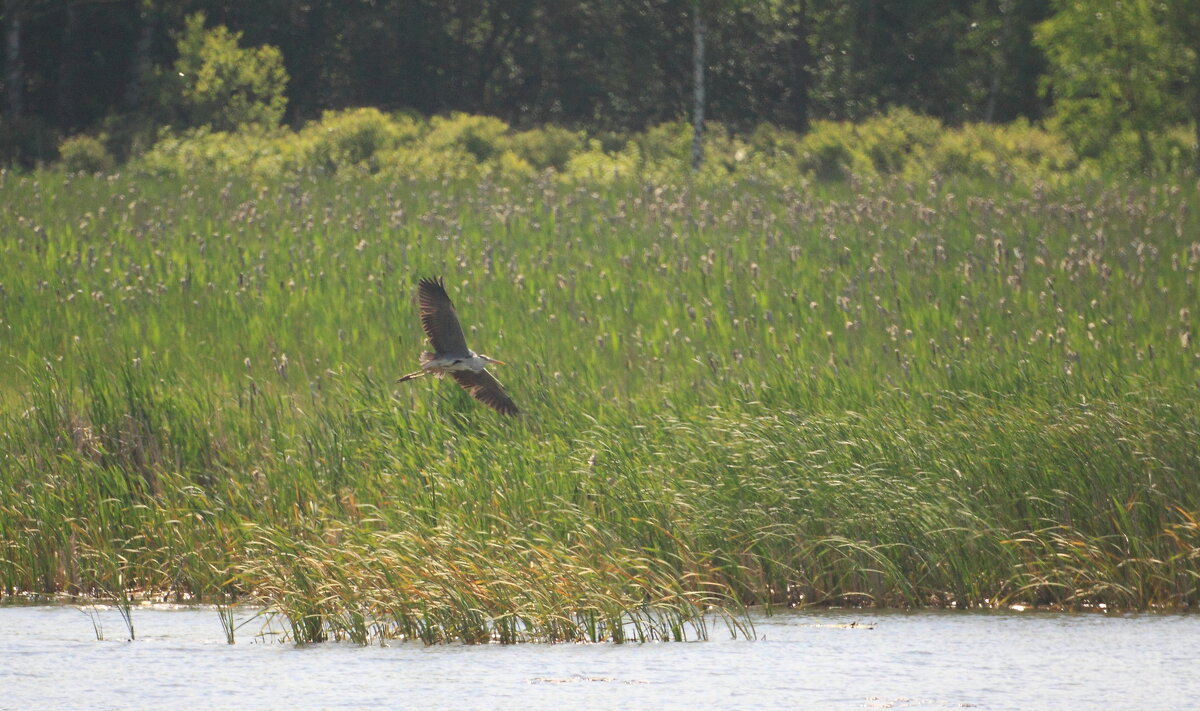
x=961, y=394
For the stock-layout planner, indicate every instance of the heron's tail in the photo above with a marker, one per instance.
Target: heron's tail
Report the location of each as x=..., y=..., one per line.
x=425, y=358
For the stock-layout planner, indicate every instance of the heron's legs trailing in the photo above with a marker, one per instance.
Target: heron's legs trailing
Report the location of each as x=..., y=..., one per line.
x=410, y=376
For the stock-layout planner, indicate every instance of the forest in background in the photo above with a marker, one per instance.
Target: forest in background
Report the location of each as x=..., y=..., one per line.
x=1110, y=75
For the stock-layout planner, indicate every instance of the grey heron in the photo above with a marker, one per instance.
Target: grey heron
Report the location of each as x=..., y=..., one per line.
x=450, y=353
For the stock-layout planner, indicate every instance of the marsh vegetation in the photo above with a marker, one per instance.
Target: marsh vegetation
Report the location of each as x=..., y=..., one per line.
x=959, y=391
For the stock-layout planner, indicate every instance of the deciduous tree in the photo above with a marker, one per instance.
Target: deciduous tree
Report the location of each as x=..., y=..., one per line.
x=1113, y=74
x=224, y=86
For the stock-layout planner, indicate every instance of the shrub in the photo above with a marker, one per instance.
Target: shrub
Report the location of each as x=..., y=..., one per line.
x=84, y=154
x=666, y=152
x=353, y=137
x=724, y=151
x=478, y=135
x=249, y=151
x=666, y=144
x=597, y=167
x=963, y=153
x=1010, y=152
x=548, y=146
x=829, y=152
x=510, y=166
x=1175, y=149
x=775, y=142
x=890, y=140
x=1172, y=151
x=422, y=163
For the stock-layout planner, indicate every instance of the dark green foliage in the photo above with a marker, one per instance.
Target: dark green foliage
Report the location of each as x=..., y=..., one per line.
x=1121, y=86
x=26, y=142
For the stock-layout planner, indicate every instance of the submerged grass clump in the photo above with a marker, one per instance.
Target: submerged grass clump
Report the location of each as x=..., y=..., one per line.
x=947, y=394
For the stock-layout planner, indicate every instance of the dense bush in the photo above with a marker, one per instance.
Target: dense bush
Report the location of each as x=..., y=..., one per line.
x=84, y=154
x=1171, y=152
x=667, y=144
x=832, y=152
x=421, y=163
x=883, y=145
x=481, y=136
x=1015, y=152
x=355, y=137
x=774, y=142
x=370, y=143
x=548, y=147
x=252, y=151
x=892, y=140
x=601, y=167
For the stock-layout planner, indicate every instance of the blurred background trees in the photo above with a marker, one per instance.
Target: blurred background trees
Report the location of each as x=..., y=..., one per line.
x=1103, y=73
x=1119, y=72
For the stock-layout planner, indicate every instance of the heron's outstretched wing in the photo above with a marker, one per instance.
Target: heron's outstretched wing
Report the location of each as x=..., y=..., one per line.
x=484, y=387
x=439, y=319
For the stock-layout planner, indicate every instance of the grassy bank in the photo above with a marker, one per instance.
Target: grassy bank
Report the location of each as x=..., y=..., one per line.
x=925, y=393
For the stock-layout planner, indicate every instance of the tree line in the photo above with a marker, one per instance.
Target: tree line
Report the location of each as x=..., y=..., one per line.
x=1134, y=65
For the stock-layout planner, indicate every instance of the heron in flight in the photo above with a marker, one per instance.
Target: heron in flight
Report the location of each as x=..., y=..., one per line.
x=450, y=353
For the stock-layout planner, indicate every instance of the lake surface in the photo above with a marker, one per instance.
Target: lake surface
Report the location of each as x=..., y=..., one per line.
x=50, y=658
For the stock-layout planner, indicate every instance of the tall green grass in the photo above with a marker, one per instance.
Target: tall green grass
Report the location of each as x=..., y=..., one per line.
x=902, y=394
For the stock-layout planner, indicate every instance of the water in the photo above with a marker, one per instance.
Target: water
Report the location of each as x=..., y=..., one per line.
x=50, y=658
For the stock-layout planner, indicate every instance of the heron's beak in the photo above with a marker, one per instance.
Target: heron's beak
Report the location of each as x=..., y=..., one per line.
x=498, y=362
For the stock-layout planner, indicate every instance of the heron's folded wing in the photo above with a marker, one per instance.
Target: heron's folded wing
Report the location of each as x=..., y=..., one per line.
x=484, y=387
x=439, y=319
